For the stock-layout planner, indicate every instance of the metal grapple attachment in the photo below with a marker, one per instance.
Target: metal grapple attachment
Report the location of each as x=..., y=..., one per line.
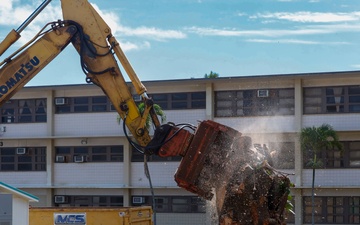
x=210, y=158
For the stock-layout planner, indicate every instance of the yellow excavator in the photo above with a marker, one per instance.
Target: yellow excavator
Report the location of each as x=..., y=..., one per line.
x=209, y=150
x=91, y=36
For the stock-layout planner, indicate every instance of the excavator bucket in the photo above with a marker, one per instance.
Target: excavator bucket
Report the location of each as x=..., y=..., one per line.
x=211, y=158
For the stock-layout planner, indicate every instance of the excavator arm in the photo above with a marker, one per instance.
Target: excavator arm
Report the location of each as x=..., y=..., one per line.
x=214, y=155
x=92, y=38
x=18, y=69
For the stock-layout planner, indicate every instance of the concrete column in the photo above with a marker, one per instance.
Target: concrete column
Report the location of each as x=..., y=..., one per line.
x=210, y=101
x=127, y=173
x=298, y=207
x=50, y=112
x=298, y=153
x=50, y=150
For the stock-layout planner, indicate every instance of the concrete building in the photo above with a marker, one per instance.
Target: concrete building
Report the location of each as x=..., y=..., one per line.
x=64, y=144
x=14, y=205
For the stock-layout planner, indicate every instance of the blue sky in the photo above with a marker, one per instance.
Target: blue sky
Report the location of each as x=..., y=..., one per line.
x=181, y=39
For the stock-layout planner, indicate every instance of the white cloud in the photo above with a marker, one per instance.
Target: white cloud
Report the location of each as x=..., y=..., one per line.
x=153, y=33
x=245, y=33
x=303, y=30
x=129, y=46
x=13, y=14
x=357, y=66
x=311, y=17
x=296, y=41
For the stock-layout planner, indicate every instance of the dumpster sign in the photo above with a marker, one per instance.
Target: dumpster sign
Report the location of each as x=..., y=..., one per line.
x=69, y=218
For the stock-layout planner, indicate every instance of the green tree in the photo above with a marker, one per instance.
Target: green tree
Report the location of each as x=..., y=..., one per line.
x=314, y=140
x=158, y=111
x=211, y=75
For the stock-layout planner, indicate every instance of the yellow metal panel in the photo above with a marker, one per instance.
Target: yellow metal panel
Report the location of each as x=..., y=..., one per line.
x=95, y=216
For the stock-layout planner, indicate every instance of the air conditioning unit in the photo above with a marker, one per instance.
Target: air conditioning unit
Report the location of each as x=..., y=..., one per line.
x=60, y=199
x=79, y=158
x=20, y=151
x=263, y=93
x=60, y=159
x=138, y=200
x=60, y=101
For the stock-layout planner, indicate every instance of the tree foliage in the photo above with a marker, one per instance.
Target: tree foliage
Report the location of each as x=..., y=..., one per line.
x=158, y=111
x=211, y=75
x=314, y=140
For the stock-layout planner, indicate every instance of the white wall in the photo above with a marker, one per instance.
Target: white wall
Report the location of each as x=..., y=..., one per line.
x=24, y=179
x=332, y=177
x=162, y=174
x=88, y=174
x=340, y=122
x=20, y=211
x=87, y=124
x=24, y=130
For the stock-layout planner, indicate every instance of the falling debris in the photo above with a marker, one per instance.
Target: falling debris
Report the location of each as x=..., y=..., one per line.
x=254, y=195
x=225, y=165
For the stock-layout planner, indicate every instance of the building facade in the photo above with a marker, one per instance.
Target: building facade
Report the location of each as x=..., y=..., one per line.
x=64, y=144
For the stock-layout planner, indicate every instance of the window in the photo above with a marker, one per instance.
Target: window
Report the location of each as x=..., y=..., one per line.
x=283, y=154
x=349, y=157
x=176, y=204
x=254, y=102
x=91, y=154
x=90, y=201
x=185, y=100
x=24, y=111
x=331, y=158
x=338, y=99
x=30, y=159
x=139, y=157
x=85, y=104
x=290, y=216
x=333, y=210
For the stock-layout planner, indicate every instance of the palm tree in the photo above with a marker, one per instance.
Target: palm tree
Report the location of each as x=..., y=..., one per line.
x=314, y=140
x=158, y=111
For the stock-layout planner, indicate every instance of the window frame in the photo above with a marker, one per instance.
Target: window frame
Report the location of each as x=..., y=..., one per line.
x=168, y=204
x=34, y=157
x=332, y=209
x=246, y=103
x=84, y=104
x=24, y=111
x=87, y=151
x=93, y=201
x=180, y=100
x=331, y=100
x=336, y=159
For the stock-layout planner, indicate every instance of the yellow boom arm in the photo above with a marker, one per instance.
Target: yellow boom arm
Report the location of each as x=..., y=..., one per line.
x=92, y=38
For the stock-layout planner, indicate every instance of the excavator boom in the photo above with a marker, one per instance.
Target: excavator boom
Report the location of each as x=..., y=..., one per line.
x=21, y=69
x=212, y=153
